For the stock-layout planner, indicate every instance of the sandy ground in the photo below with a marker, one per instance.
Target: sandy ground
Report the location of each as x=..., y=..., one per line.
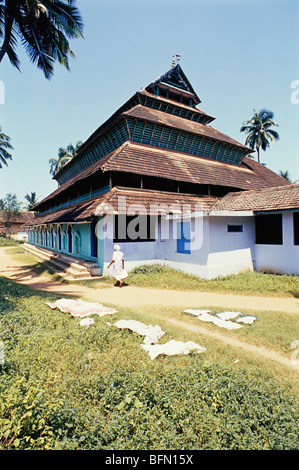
x=136, y=296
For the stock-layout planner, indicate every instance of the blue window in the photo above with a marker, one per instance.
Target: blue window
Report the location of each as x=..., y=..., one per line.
x=183, y=241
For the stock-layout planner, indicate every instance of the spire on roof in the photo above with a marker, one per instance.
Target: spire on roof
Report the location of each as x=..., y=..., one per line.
x=175, y=85
x=175, y=59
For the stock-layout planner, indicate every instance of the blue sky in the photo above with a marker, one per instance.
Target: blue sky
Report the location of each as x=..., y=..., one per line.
x=239, y=55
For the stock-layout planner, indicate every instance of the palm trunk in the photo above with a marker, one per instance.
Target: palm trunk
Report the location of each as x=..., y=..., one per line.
x=258, y=154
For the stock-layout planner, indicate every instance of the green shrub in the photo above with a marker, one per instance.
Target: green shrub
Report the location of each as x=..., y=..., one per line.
x=5, y=241
x=27, y=416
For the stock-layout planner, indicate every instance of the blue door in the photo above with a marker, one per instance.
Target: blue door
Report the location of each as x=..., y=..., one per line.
x=183, y=241
x=93, y=239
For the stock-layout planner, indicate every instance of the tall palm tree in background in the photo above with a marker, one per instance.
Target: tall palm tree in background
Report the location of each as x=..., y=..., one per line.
x=65, y=155
x=5, y=145
x=31, y=199
x=43, y=27
x=259, y=131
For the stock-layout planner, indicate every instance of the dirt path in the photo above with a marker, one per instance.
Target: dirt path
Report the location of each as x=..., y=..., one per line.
x=135, y=297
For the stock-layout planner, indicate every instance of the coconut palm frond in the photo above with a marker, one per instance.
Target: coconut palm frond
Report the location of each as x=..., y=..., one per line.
x=259, y=130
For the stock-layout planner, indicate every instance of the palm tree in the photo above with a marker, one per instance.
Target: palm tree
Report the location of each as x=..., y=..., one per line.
x=5, y=145
x=65, y=155
x=259, y=131
x=43, y=27
x=31, y=199
x=286, y=175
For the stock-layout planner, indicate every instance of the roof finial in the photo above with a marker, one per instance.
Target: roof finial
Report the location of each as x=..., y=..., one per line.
x=175, y=59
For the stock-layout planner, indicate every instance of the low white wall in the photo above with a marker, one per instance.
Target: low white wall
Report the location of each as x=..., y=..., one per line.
x=282, y=259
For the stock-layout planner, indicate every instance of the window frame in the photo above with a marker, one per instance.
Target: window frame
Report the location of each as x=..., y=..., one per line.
x=230, y=228
x=273, y=235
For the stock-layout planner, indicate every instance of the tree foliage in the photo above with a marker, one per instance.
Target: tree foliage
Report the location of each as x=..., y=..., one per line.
x=10, y=209
x=44, y=28
x=259, y=130
x=31, y=199
x=5, y=146
x=65, y=155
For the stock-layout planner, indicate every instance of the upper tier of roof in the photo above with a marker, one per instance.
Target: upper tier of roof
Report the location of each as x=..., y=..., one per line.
x=170, y=102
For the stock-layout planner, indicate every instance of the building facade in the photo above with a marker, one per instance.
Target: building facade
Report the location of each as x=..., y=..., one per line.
x=170, y=188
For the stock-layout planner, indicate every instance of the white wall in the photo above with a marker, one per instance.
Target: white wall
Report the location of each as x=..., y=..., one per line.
x=230, y=252
x=280, y=258
x=219, y=253
x=214, y=252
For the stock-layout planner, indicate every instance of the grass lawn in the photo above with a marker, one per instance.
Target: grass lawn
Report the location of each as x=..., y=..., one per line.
x=63, y=386
x=247, y=283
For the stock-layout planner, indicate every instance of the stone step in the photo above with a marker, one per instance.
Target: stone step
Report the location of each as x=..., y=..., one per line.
x=75, y=268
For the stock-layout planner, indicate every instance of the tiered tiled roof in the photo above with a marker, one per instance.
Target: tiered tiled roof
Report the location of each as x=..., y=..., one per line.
x=126, y=201
x=145, y=160
x=163, y=115
x=149, y=161
x=159, y=133
x=176, y=122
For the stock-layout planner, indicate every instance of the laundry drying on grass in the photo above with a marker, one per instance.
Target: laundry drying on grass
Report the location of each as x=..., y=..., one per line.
x=172, y=348
x=228, y=315
x=81, y=308
x=247, y=319
x=196, y=312
x=229, y=320
x=151, y=334
x=86, y=322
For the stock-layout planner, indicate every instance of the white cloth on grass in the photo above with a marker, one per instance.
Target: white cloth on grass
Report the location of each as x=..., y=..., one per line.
x=203, y=315
x=118, y=271
x=172, y=348
x=86, y=322
x=228, y=315
x=151, y=334
x=81, y=308
x=195, y=312
x=248, y=319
